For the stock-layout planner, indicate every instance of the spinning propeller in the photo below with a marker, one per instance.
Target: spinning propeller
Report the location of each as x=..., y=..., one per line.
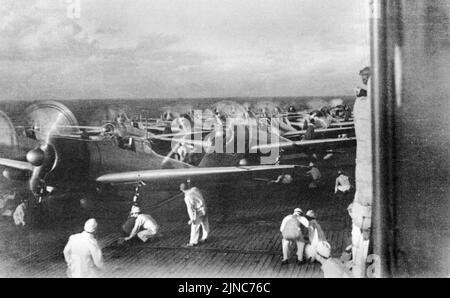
x=47, y=120
x=8, y=137
x=51, y=118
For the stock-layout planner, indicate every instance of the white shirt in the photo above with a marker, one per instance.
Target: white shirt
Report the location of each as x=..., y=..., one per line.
x=144, y=222
x=195, y=203
x=363, y=131
x=290, y=226
x=342, y=183
x=19, y=215
x=315, y=173
x=83, y=255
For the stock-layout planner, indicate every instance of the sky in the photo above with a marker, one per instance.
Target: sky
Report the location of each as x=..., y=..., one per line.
x=181, y=48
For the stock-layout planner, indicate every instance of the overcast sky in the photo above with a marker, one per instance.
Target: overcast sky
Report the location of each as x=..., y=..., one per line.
x=181, y=48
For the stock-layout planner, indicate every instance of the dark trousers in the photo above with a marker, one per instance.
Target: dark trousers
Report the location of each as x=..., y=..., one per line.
x=128, y=225
x=342, y=194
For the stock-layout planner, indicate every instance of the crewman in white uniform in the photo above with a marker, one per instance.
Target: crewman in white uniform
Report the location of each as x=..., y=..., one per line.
x=83, y=254
x=291, y=231
x=315, y=234
x=342, y=186
x=145, y=227
x=19, y=214
x=331, y=267
x=198, y=216
x=360, y=210
x=315, y=175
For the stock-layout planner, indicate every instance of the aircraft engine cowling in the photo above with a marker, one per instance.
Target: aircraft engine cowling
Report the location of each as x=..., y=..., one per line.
x=66, y=164
x=109, y=129
x=36, y=157
x=57, y=159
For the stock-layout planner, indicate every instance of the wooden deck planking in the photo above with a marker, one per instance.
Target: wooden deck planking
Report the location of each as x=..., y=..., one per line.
x=248, y=244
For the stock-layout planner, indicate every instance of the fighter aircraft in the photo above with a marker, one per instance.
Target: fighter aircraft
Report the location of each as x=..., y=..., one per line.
x=53, y=157
x=292, y=125
x=332, y=136
x=259, y=142
x=124, y=130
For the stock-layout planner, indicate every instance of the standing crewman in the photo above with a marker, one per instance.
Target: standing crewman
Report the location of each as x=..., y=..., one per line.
x=83, y=254
x=315, y=234
x=198, y=217
x=291, y=231
x=145, y=227
x=361, y=209
x=342, y=186
x=315, y=175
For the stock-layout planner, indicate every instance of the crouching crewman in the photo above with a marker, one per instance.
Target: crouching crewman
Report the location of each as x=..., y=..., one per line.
x=291, y=230
x=342, y=186
x=145, y=227
x=331, y=267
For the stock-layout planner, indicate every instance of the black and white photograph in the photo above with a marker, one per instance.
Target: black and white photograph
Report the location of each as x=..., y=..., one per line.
x=198, y=140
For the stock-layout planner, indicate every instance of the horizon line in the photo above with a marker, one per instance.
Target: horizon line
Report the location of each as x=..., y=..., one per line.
x=174, y=98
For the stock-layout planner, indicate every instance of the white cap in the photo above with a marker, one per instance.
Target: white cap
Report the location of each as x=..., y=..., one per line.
x=90, y=225
x=298, y=210
x=311, y=164
x=311, y=214
x=135, y=209
x=286, y=179
x=324, y=249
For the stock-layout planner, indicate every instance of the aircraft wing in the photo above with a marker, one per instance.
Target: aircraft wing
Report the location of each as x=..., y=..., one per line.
x=323, y=132
x=342, y=124
x=16, y=164
x=310, y=144
x=188, y=173
x=95, y=128
x=158, y=128
x=172, y=136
